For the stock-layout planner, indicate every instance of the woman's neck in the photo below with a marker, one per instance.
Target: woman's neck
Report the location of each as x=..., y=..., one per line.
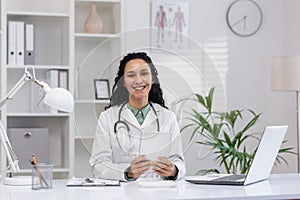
x=138, y=104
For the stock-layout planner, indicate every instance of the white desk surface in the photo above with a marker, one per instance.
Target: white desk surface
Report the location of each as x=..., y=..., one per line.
x=279, y=186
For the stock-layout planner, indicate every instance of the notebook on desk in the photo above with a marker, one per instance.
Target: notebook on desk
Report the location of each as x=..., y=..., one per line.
x=261, y=166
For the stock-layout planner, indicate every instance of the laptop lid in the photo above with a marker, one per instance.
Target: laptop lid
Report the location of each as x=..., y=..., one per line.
x=261, y=165
x=266, y=154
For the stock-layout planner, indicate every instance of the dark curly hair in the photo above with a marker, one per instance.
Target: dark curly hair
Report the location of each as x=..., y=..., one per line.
x=120, y=93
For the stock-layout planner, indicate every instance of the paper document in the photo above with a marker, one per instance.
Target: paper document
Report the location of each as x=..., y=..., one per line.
x=155, y=144
x=85, y=182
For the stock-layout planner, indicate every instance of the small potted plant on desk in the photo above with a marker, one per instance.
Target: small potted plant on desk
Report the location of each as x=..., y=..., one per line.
x=218, y=131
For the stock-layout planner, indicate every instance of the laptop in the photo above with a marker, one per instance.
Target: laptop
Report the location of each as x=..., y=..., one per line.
x=261, y=165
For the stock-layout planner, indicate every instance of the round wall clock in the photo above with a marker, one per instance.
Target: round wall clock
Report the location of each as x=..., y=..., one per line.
x=244, y=17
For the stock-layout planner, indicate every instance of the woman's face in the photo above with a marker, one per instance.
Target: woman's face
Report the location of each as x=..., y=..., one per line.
x=138, y=79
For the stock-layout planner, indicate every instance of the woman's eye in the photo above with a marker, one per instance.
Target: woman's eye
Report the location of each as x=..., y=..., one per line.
x=130, y=75
x=145, y=73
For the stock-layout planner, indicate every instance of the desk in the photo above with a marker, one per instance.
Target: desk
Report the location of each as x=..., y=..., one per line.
x=279, y=186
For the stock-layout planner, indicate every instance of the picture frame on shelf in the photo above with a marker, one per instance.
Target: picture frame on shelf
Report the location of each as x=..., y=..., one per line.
x=101, y=89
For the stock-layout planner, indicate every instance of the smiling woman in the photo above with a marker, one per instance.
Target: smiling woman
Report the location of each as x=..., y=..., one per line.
x=136, y=110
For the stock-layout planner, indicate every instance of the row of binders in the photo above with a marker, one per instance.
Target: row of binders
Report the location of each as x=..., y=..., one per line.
x=20, y=43
x=58, y=78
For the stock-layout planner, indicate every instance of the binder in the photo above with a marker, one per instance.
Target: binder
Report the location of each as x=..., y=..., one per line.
x=63, y=79
x=53, y=78
x=12, y=43
x=29, y=44
x=20, y=43
x=53, y=83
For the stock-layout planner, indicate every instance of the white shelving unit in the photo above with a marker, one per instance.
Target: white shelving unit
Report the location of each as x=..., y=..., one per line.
x=61, y=43
x=51, y=20
x=96, y=57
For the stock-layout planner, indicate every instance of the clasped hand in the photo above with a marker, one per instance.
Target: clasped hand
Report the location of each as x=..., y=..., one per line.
x=141, y=164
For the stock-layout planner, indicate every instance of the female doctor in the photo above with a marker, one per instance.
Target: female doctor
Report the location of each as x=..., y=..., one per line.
x=137, y=108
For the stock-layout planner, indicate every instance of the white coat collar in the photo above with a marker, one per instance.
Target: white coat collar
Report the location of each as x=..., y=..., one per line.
x=129, y=117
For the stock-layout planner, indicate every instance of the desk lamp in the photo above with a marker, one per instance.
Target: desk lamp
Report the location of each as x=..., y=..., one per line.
x=286, y=77
x=58, y=98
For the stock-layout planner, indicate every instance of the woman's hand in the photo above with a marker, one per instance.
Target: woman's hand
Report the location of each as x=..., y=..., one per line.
x=164, y=167
x=138, y=166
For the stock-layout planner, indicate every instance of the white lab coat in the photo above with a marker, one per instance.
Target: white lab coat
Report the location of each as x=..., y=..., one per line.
x=109, y=161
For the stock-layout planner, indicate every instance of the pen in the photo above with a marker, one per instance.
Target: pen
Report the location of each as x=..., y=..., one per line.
x=43, y=179
x=89, y=182
x=37, y=169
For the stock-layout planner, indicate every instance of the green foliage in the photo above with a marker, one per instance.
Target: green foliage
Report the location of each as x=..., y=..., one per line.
x=219, y=132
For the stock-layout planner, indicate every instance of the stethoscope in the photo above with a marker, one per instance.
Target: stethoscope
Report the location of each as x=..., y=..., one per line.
x=119, y=122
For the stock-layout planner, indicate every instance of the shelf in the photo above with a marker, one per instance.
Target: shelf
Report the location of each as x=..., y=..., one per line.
x=99, y=1
x=101, y=36
x=38, y=114
x=39, y=67
x=84, y=137
x=41, y=14
x=92, y=101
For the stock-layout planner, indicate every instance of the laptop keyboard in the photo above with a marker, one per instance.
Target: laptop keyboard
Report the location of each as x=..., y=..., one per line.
x=232, y=177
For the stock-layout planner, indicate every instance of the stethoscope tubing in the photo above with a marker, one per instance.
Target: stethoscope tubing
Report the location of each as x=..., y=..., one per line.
x=119, y=121
x=124, y=123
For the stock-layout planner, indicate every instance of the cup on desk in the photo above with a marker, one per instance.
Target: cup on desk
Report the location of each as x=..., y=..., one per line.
x=42, y=175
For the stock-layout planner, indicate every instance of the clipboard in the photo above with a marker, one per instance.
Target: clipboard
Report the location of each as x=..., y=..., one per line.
x=87, y=182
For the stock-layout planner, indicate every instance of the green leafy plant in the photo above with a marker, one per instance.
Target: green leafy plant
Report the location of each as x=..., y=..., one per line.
x=219, y=132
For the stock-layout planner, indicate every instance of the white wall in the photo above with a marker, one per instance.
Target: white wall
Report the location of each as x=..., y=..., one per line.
x=249, y=77
x=246, y=69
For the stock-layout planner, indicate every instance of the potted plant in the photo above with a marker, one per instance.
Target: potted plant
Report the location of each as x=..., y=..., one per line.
x=228, y=145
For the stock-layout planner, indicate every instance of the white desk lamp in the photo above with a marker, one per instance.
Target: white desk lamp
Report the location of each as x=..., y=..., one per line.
x=58, y=98
x=286, y=77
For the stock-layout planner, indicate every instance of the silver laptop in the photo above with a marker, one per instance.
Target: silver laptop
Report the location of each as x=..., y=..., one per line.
x=261, y=166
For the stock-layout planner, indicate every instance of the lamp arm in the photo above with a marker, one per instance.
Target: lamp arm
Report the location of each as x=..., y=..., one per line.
x=26, y=76
x=10, y=154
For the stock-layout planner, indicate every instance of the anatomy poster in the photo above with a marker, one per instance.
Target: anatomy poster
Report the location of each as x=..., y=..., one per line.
x=169, y=22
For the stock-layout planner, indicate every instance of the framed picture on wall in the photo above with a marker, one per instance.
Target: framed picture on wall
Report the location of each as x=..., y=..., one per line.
x=101, y=88
x=170, y=24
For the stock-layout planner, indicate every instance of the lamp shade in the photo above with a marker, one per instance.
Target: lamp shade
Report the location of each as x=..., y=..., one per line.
x=286, y=73
x=59, y=98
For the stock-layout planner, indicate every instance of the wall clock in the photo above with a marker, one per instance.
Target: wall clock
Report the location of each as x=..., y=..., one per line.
x=244, y=17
